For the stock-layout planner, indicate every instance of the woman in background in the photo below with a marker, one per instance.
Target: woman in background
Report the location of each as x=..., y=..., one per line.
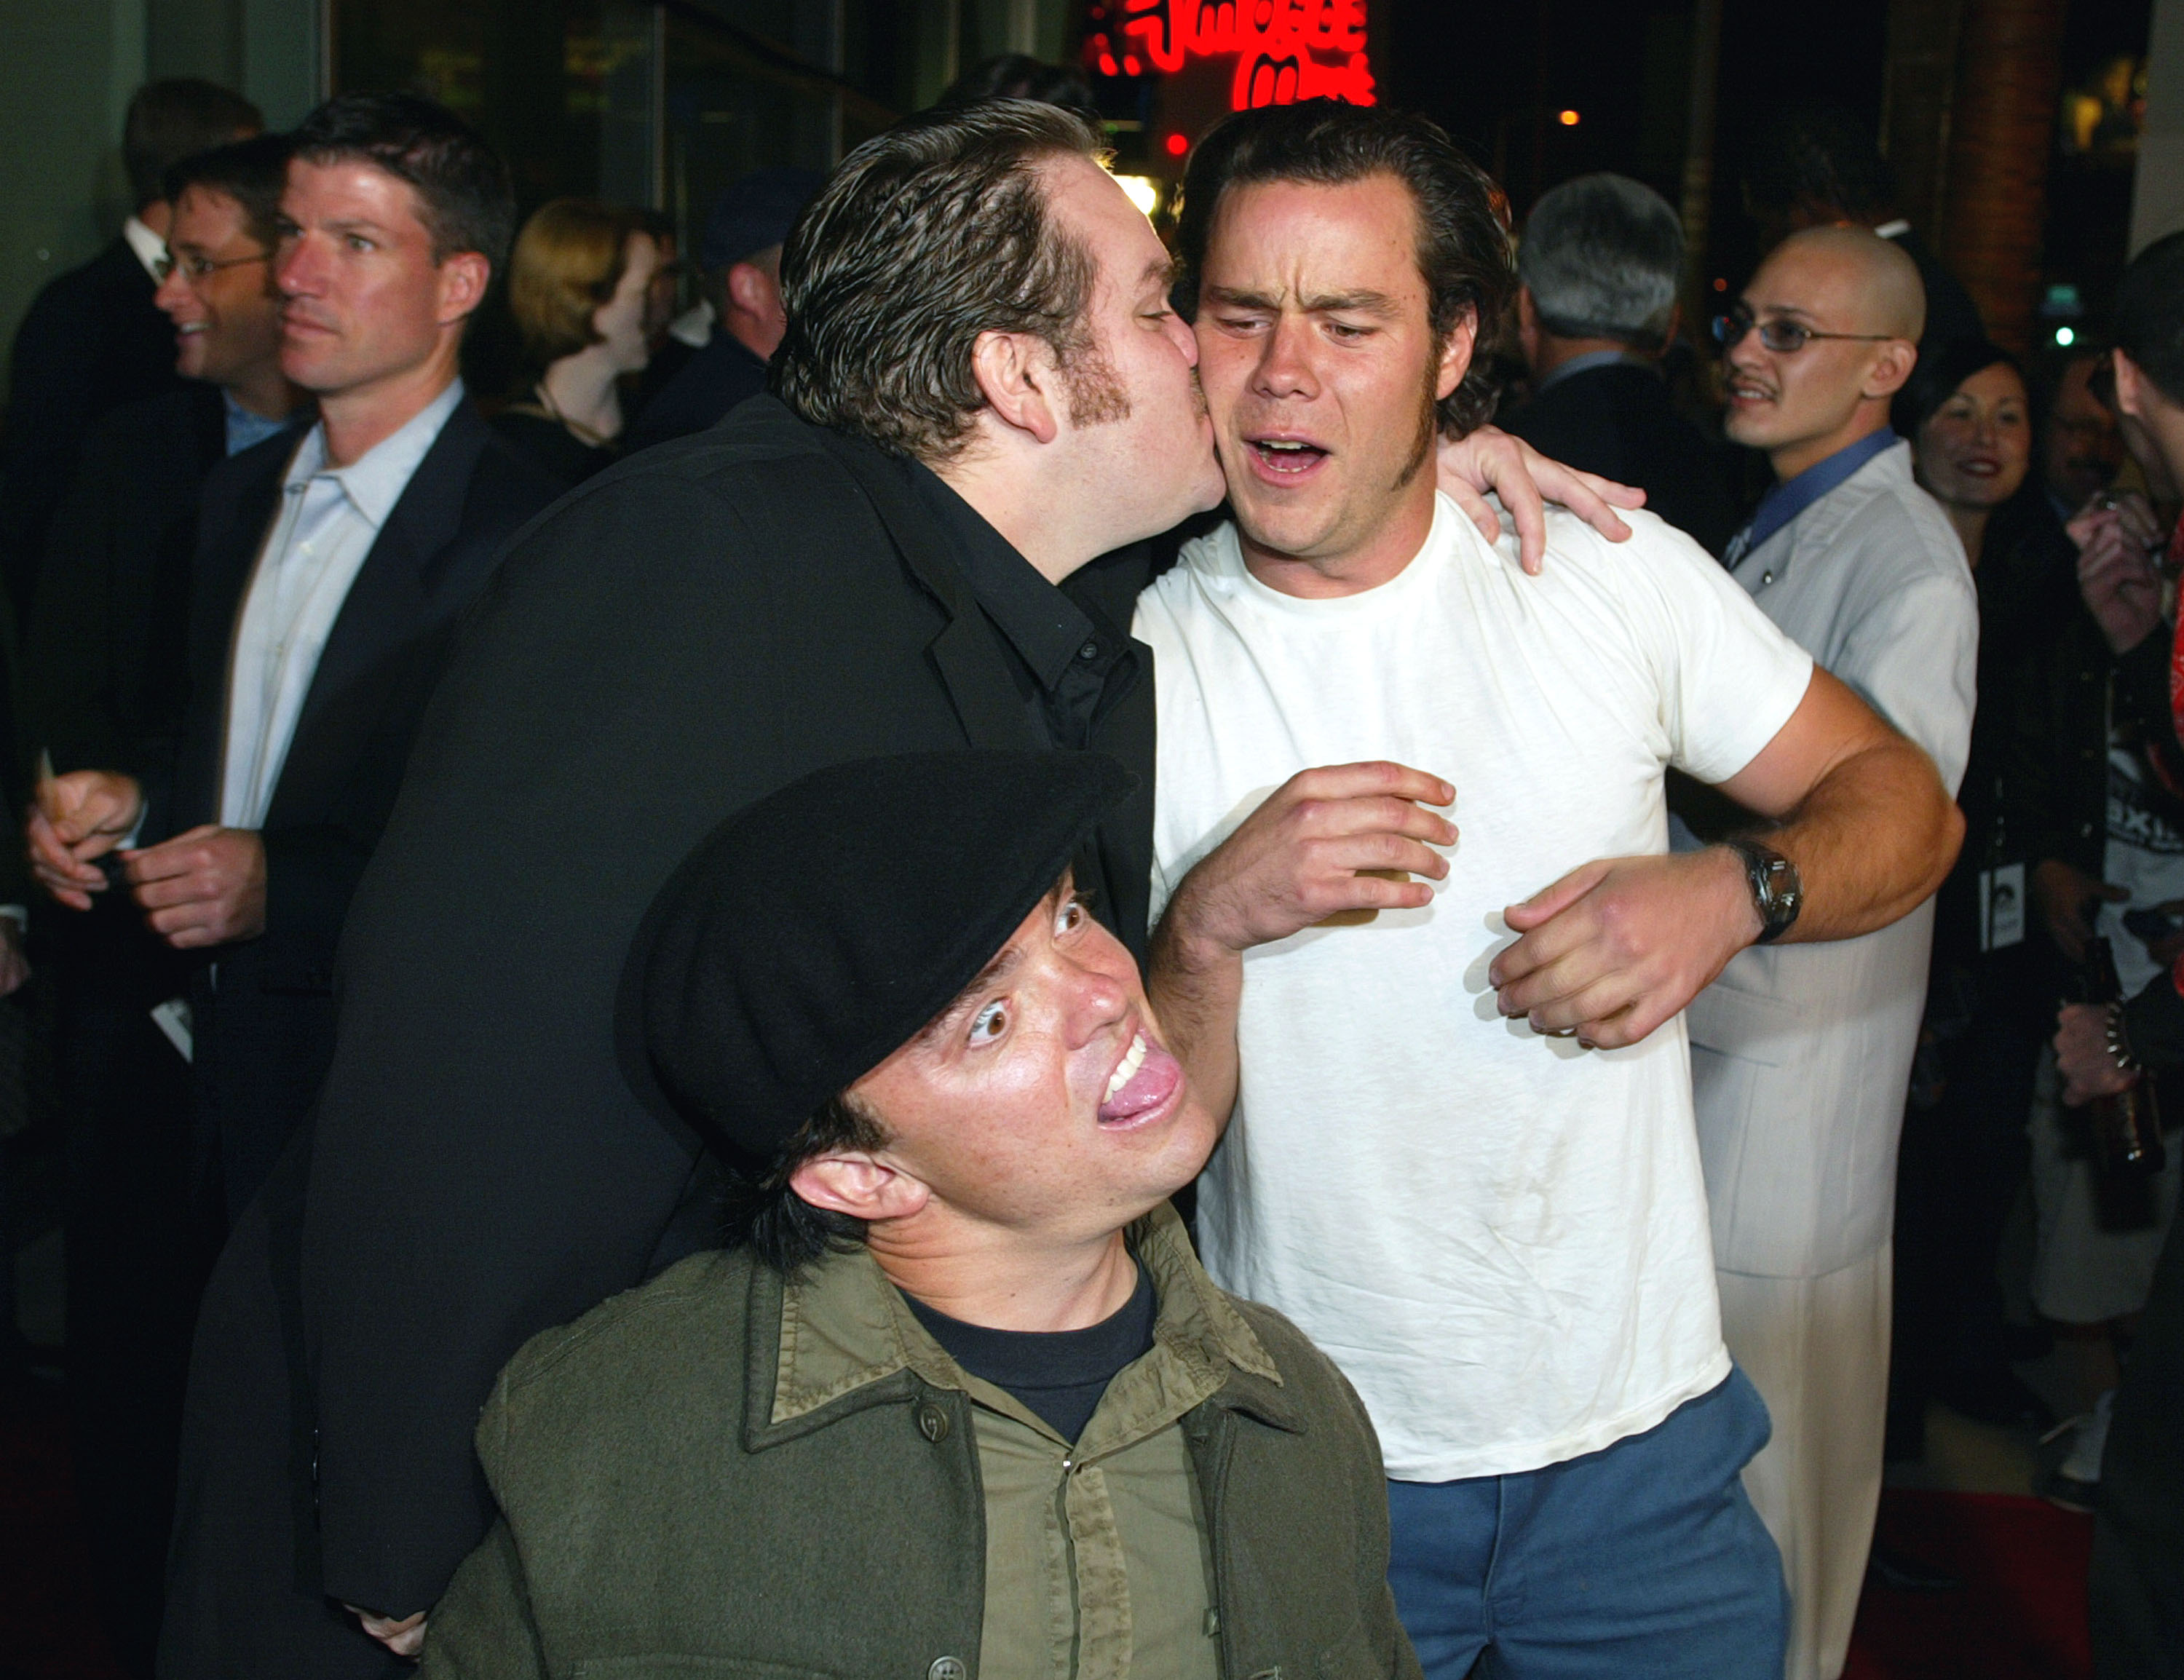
x=1991, y=990
x=577, y=286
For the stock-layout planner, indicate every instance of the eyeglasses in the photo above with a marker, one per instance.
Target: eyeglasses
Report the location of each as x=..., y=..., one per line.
x=1784, y=338
x=196, y=267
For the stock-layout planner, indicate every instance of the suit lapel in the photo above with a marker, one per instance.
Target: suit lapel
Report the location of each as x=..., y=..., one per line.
x=226, y=557
x=965, y=653
x=381, y=613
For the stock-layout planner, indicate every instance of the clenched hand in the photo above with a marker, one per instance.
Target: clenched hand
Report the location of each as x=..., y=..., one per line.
x=1618, y=946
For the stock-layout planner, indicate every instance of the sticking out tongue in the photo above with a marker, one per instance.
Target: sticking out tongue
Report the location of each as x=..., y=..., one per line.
x=1151, y=1086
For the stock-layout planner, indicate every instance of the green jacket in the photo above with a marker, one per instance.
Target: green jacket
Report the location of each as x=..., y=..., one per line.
x=721, y=1475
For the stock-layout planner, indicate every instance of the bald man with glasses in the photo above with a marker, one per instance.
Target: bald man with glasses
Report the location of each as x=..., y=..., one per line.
x=1801, y=1055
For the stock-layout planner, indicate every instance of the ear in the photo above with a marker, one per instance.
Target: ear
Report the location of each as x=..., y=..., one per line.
x=1455, y=352
x=1676, y=326
x=464, y=277
x=2129, y=387
x=1885, y=377
x=861, y=1186
x=752, y=289
x=1016, y=376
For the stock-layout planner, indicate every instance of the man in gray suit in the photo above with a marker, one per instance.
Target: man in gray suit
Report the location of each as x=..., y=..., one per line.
x=1801, y=1054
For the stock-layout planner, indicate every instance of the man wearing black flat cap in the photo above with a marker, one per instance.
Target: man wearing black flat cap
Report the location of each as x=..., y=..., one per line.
x=958, y=1399
x=740, y=253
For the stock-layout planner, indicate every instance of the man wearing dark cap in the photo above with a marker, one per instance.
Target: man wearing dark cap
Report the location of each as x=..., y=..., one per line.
x=740, y=254
x=958, y=1399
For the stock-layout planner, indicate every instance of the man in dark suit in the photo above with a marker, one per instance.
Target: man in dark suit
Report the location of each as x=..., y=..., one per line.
x=983, y=387
x=1600, y=264
x=328, y=577
x=740, y=256
x=92, y=338
x=329, y=573
x=104, y=674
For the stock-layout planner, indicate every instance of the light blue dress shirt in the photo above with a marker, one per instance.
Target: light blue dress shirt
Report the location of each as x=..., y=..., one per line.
x=328, y=520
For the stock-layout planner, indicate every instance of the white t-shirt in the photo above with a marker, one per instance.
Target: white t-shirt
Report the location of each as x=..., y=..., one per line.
x=1499, y=1237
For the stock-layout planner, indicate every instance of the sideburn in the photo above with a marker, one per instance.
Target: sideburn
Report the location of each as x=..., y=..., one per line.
x=1429, y=433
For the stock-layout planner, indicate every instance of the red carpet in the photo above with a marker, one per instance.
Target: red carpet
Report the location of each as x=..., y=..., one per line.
x=2022, y=1614
x=46, y=1631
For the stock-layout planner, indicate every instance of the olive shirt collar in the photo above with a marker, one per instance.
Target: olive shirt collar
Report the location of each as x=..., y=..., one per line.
x=846, y=1330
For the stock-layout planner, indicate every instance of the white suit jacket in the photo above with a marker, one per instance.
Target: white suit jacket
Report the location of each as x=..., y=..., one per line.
x=1801, y=1054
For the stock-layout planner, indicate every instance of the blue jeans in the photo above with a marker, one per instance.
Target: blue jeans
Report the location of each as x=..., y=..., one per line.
x=1644, y=1559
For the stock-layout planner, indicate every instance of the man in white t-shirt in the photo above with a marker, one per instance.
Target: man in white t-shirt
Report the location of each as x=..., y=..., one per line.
x=1464, y=1164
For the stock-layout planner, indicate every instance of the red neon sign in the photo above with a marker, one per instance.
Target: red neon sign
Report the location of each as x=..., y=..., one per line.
x=1285, y=50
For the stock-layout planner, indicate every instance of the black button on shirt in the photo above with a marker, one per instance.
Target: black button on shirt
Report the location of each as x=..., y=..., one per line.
x=1069, y=667
x=1059, y=1374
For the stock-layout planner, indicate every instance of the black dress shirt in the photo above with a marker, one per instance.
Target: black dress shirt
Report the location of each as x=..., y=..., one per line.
x=1070, y=663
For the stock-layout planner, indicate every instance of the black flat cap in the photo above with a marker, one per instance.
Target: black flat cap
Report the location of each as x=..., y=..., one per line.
x=814, y=933
x=757, y=212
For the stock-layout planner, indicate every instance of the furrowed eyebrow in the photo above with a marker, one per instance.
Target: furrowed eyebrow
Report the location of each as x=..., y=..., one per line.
x=1352, y=303
x=1347, y=302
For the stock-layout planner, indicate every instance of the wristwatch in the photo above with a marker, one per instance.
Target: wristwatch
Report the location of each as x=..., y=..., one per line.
x=1778, y=890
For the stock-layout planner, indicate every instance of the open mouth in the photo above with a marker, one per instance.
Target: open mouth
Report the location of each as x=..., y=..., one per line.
x=1142, y=1087
x=1286, y=457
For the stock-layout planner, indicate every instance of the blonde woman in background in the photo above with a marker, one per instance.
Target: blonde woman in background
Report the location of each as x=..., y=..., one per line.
x=577, y=286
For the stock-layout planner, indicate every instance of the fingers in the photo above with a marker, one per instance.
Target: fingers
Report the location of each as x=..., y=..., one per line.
x=1509, y=467
x=56, y=869
x=1327, y=820
x=1529, y=512
x=1568, y=992
x=1481, y=510
x=1379, y=776
x=1591, y=497
x=1551, y=900
x=86, y=803
x=184, y=855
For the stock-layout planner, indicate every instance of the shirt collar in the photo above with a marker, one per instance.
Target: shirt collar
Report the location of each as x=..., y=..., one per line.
x=1046, y=627
x=1792, y=495
x=374, y=482
x=1586, y=363
x=245, y=428
x=844, y=1326
x=151, y=250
